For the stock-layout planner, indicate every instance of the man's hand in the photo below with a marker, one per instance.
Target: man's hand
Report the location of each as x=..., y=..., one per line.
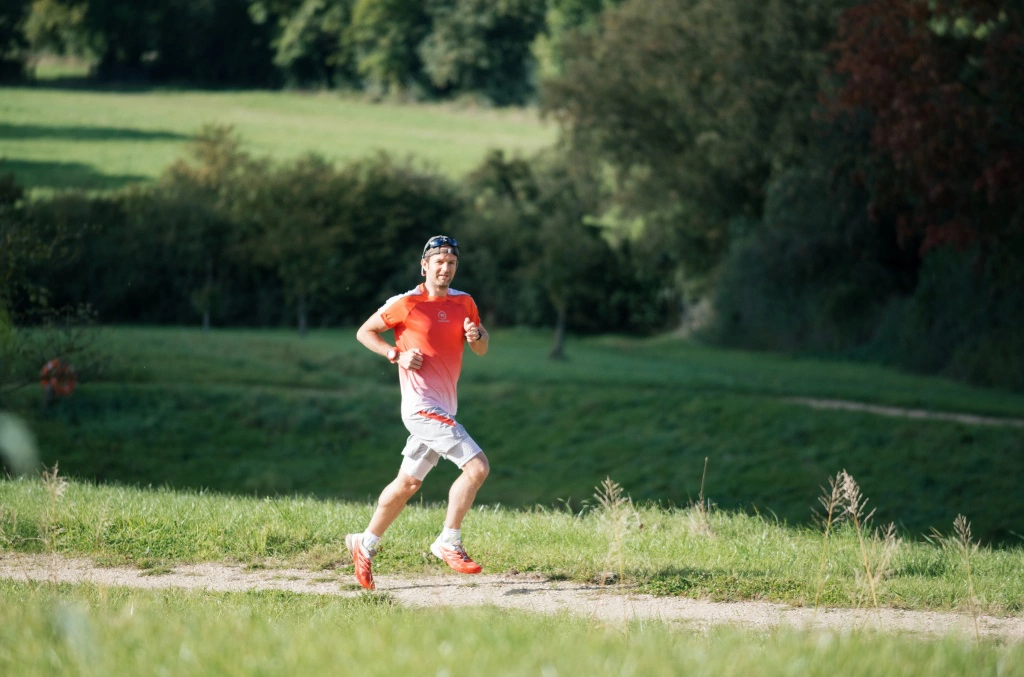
x=473, y=331
x=410, y=359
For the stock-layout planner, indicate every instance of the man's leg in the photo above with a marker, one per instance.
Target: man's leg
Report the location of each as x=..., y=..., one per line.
x=392, y=501
x=463, y=491
x=448, y=545
x=389, y=506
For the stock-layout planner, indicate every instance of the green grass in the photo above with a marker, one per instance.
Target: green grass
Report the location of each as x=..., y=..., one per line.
x=99, y=631
x=263, y=448
x=55, y=138
x=49, y=69
x=267, y=413
x=731, y=557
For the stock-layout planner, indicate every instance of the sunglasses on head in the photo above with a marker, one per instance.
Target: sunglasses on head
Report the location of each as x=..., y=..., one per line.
x=439, y=241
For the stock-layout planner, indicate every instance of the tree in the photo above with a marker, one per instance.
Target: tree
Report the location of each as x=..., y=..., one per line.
x=311, y=46
x=57, y=27
x=531, y=219
x=13, y=14
x=482, y=46
x=339, y=237
x=571, y=254
x=27, y=244
x=695, y=104
x=196, y=205
x=943, y=83
x=561, y=19
x=197, y=40
x=386, y=35
x=291, y=225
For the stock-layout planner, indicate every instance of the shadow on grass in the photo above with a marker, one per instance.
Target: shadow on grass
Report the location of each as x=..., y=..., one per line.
x=136, y=85
x=61, y=133
x=65, y=175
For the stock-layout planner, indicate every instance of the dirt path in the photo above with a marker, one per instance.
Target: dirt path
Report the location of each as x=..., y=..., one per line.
x=899, y=412
x=512, y=591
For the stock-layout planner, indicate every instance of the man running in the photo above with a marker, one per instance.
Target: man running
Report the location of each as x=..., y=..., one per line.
x=431, y=323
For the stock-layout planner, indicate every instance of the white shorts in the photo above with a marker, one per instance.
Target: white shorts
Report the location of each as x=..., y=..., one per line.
x=434, y=434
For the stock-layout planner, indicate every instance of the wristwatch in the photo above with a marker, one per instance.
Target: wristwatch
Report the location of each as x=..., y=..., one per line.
x=393, y=355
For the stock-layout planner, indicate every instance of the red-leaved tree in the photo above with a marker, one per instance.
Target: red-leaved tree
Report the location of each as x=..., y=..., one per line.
x=943, y=82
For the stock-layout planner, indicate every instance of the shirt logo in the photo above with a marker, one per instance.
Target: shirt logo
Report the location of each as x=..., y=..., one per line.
x=443, y=316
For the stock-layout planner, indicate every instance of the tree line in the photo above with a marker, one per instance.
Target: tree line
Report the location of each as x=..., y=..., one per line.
x=841, y=177
x=834, y=177
x=420, y=48
x=227, y=238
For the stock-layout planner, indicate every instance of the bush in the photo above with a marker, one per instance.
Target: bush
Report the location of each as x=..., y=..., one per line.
x=234, y=241
x=820, y=276
x=815, y=275
x=961, y=322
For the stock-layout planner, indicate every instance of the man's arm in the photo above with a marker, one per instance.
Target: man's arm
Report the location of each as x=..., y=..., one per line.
x=370, y=336
x=476, y=336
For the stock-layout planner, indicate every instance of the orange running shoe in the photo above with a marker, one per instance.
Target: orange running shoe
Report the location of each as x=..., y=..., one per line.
x=364, y=574
x=455, y=556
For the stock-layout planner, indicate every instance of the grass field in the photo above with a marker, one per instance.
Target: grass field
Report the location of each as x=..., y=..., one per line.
x=716, y=555
x=89, y=631
x=268, y=413
x=54, y=138
x=97, y=631
x=263, y=448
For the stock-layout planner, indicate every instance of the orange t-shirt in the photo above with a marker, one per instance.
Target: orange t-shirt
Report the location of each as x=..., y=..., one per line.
x=434, y=324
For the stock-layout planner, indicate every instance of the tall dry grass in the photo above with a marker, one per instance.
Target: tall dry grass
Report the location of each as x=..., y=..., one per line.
x=844, y=501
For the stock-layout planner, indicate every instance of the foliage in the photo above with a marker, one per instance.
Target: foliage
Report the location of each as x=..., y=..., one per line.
x=817, y=273
x=942, y=82
x=238, y=237
x=29, y=244
x=898, y=239
x=422, y=48
x=309, y=222
x=194, y=209
x=482, y=46
x=203, y=42
x=56, y=27
x=34, y=329
x=958, y=322
x=542, y=259
x=696, y=105
x=13, y=14
x=386, y=35
x=563, y=16
x=312, y=48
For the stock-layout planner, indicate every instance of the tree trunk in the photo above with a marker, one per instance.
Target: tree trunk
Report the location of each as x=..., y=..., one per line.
x=209, y=295
x=558, y=349
x=303, y=326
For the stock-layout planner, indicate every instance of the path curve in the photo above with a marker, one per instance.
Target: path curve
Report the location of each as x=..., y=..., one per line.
x=900, y=412
x=525, y=592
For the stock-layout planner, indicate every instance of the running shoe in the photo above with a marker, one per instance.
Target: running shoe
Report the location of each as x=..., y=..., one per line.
x=361, y=562
x=455, y=556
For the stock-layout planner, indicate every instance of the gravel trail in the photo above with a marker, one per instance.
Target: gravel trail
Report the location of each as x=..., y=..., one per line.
x=523, y=592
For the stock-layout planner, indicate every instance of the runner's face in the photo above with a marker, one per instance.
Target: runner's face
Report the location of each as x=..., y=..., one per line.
x=441, y=269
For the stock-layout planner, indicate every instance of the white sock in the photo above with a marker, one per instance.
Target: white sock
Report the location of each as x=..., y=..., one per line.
x=370, y=542
x=450, y=535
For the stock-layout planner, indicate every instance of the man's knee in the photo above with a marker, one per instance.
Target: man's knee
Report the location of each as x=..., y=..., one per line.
x=477, y=468
x=406, y=485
